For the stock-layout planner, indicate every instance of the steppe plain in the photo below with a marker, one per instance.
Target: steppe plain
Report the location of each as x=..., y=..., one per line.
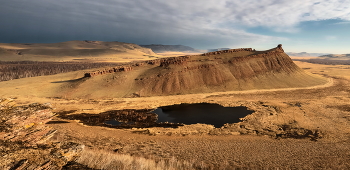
x=291, y=128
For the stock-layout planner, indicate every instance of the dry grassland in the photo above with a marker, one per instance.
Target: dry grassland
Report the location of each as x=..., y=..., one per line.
x=101, y=159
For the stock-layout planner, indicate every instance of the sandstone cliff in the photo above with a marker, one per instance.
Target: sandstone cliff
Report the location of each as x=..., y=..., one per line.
x=227, y=70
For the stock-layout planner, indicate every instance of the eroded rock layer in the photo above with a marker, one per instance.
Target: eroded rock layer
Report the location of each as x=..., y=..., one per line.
x=227, y=70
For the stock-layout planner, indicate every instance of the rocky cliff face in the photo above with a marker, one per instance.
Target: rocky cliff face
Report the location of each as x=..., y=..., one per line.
x=227, y=70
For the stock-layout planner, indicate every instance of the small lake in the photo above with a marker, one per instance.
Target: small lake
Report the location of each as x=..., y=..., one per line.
x=206, y=113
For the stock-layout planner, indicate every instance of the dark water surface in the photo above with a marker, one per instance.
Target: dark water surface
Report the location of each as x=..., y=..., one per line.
x=170, y=116
x=206, y=113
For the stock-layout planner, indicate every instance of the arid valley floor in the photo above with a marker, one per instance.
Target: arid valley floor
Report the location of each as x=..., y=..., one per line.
x=291, y=128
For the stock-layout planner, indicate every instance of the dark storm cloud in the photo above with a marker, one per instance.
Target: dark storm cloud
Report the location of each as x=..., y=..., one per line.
x=199, y=23
x=141, y=22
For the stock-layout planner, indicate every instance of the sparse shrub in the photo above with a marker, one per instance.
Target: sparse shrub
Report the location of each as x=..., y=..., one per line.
x=10, y=70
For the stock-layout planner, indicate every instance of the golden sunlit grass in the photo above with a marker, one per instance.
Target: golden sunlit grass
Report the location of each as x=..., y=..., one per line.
x=100, y=159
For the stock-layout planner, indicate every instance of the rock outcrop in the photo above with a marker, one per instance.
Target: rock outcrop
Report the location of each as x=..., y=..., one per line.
x=161, y=62
x=227, y=70
x=110, y=70
x=228, y=51
x=24, y=137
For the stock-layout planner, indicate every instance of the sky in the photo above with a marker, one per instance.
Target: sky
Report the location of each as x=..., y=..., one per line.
x=318, y=26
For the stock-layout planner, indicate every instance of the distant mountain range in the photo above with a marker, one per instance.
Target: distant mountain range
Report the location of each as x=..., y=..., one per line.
x=217, y=49
x=159, y=48
x=305, y=54
x=326, y=56
x=336, y=56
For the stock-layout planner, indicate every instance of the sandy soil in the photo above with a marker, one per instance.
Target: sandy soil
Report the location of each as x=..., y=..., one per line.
x=325, y=108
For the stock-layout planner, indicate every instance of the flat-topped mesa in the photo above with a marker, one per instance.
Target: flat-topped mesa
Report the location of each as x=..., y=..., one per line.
x=182, y=60
x=277, y=49
x=226, y=70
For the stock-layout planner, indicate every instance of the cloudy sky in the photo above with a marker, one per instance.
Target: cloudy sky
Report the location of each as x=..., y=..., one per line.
x=300, y=25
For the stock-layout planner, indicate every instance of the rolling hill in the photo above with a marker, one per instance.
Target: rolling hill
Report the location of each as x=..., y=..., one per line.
x=74, y=51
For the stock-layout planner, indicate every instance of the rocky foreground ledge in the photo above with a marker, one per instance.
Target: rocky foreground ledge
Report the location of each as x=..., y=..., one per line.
x=24, y=138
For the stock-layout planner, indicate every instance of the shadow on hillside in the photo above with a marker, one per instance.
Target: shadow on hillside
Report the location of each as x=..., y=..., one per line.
x=71, y=81
x=56, y=122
